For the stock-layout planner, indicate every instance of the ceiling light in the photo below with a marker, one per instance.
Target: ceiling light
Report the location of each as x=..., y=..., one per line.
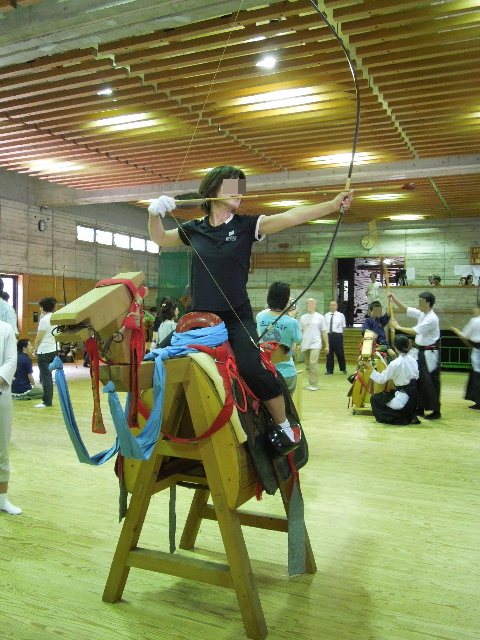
x=132, y=117
x=322, y=221
x=271, y=96
x=281, y=104
x=385, y=196
x=267, y=63
x=256, y=39
x=135, y=125
x=105, y=92
x=279, y=99
x=286, y=203
x=343, y=158
x=407, y=216
x=54, y=166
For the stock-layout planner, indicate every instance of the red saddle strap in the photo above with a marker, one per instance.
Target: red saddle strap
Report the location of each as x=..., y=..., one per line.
x=134, y=323
x=220, y=355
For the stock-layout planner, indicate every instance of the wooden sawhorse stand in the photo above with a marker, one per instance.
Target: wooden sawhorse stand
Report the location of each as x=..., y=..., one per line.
x=363, y=390
x=220, y=466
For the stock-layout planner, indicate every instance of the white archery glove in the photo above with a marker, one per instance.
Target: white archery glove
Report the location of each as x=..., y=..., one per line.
x=161, y=205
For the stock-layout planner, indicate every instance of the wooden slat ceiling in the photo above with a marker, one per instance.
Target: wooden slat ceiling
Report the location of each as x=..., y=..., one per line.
x=196, y=90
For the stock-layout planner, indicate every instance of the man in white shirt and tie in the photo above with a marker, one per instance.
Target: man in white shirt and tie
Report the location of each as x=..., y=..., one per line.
x=427, y=334
x=336, y=323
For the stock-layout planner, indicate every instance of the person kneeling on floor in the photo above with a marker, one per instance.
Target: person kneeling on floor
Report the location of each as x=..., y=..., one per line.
x=397, y=406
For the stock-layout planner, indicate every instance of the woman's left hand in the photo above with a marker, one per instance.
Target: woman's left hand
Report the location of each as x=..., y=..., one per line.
x=344, y=198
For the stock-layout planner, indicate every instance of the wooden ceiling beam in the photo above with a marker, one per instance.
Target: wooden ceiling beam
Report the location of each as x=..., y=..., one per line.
x=435, y=41
x=208, y=61
x=86, y=83
x=49, y=101
x=219, y=41
x=414, y=17
x=204, y=27
x=420, y=55
x=427, y=28
x=44, y=63
x=63, y=74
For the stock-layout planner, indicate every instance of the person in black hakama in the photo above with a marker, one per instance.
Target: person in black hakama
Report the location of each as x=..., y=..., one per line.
x=425, y=351
x=397, y=406
x=471, y=337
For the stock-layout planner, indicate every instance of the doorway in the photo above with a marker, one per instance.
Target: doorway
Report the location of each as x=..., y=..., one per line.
x=10, y=286
x=353, y=275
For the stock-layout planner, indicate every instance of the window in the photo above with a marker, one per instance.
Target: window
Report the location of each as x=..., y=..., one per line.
x=137, y=244
x=152, y=247
x=103, y=237
x=121, y=240
x=86, y=234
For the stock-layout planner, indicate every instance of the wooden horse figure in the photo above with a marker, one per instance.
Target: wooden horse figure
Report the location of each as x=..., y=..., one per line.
x=362, y=387
x=190, y=453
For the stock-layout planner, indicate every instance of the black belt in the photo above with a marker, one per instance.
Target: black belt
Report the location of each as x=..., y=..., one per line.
x=430, y=347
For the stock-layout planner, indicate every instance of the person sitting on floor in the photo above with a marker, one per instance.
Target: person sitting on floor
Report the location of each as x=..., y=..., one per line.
x=23, y=385
x=397, y=406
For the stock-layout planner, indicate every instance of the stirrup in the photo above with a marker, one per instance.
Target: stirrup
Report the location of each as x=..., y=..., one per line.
x=280, y=442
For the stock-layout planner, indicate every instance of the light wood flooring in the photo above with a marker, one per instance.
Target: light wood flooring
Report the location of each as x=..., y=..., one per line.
x=392, y=512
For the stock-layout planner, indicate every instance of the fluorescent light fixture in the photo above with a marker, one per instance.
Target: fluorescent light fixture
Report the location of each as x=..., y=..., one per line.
x=256, y=39
x=282, y=104
x=286, y=203
x=116, y=120
x=407, y=216
x=105, y=92
x=135, y=125
x=280, y=99
x=322, y=221
x=127, y=122
x=273, y=96
x=267, y=63
x=343, y=158
x=384, y=196
x=202, y=170
x=54, y=166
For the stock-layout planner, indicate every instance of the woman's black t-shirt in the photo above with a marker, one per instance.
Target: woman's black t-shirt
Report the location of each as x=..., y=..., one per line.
x=226, y=251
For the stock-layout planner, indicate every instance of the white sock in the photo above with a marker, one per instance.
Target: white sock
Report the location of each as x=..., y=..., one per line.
x=7, y=506
x=285, y=426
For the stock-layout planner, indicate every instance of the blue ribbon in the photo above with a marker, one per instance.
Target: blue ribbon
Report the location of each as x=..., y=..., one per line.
x=141, y=446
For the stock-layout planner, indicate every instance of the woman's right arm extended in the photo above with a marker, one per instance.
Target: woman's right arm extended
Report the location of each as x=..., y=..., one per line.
x=160, y=236
x=157, y=210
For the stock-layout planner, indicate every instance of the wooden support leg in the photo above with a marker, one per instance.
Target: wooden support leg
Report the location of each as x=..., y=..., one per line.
x=192, y=523
x=240, y=567
x=228, y=521
x=132, y=528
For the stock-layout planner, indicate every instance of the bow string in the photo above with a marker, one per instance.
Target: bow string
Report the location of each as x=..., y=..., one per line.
x=350, y=168
x=347, y=184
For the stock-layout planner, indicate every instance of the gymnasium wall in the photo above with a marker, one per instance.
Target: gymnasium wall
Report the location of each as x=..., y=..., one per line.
x=435, y=246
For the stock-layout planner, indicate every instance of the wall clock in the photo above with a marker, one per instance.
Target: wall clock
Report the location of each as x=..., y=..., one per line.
x=367, y=242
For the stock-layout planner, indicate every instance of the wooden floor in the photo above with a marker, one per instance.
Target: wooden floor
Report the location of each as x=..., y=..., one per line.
x=392, y=512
